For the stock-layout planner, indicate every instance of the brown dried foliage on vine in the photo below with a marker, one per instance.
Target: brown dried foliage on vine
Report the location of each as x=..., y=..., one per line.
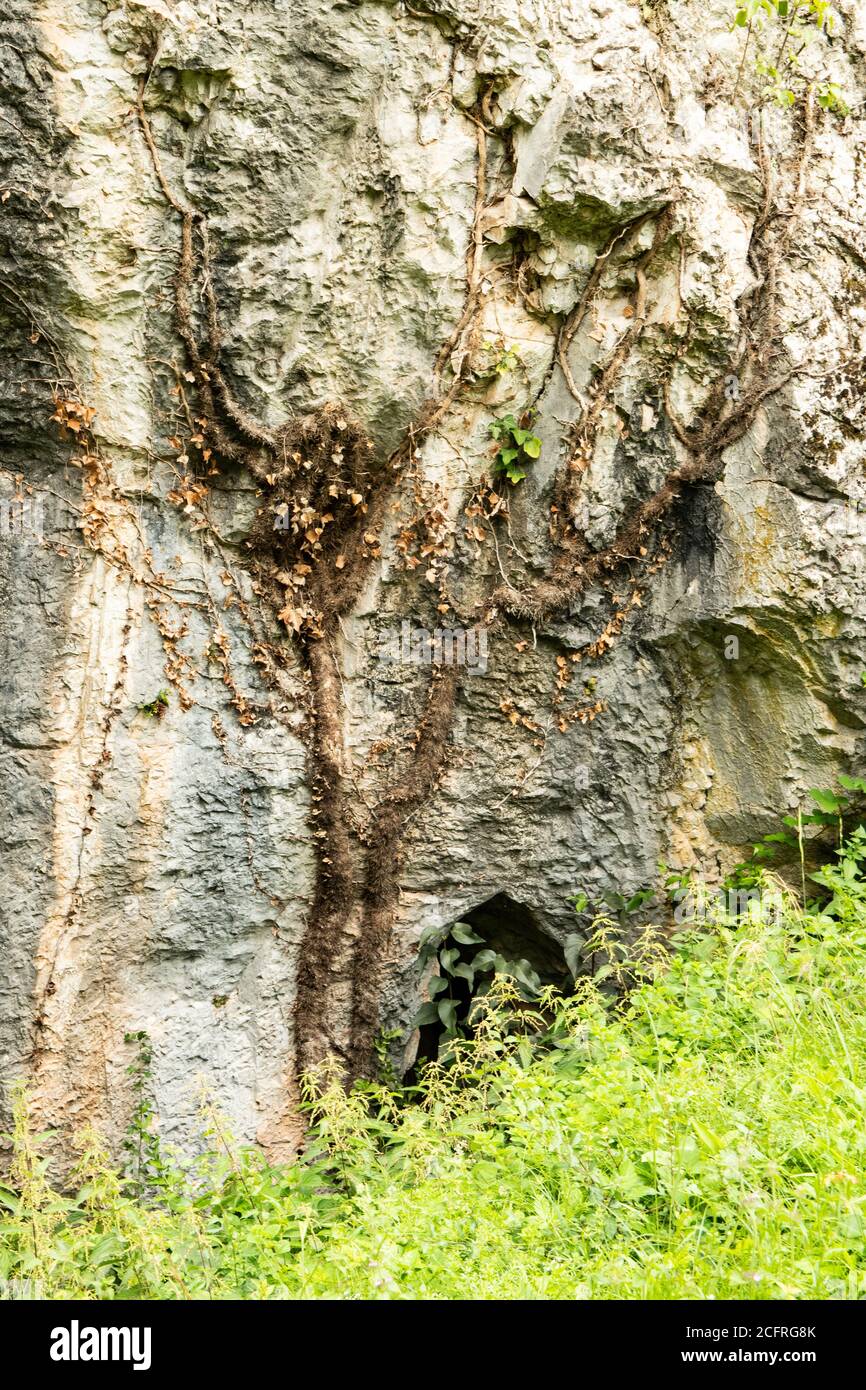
x=324, y=502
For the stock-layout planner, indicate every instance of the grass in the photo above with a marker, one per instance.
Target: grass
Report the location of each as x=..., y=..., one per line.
x=701, y=1136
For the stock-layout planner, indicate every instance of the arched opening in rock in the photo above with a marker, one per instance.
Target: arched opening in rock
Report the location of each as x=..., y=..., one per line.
x=500, y=930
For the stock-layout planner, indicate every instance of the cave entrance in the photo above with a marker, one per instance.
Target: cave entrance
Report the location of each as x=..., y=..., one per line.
x=501, y=932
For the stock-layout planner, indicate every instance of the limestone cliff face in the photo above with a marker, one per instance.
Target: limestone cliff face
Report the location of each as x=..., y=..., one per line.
x=220, y=218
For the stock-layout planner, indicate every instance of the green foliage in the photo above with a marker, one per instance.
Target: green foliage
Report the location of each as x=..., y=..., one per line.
x=620, y=934
x=831, y=98
x=840, y=811
x=155, y=708
x=619, y=946
x=476, y=969
x=385, y=1066
x=795, y=21
x=517, y=446
x=146, y=1171
x=700, y=1137
x=504, y=359
x=790, y=11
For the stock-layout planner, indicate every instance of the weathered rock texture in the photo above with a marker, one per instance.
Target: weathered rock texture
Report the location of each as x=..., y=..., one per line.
x=428, y=216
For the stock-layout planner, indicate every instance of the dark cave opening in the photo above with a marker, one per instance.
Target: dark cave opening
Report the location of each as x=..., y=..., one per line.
x=509, y=932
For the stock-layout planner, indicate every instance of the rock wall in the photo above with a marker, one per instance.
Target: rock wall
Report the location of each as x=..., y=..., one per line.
x=430, y=216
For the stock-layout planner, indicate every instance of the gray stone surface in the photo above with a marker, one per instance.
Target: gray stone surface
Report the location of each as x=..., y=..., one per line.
x=157, y=872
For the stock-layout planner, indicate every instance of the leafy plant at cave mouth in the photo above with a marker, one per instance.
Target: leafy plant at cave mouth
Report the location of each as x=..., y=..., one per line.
x=462, y=976
x=517, y=447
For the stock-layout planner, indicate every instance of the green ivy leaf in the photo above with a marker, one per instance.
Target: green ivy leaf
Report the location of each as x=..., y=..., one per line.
x=572, y=951
x=448, y=958
x=447, y=1009
x=484, y=960
x=429, y=943
x=523, y=973
x=464, y=972
x=462, y=932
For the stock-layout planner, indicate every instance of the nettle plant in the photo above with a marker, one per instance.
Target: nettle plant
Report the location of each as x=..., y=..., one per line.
x=800, y=20
x=516, y=446
x=840, y=811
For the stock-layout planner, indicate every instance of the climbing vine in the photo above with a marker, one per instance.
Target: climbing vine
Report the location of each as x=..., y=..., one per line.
x=316, y=533
x=723, y=419
x=792, y=24
x=324, y=499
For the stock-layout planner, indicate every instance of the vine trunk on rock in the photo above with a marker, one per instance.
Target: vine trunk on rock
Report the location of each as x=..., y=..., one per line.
x=319, y=530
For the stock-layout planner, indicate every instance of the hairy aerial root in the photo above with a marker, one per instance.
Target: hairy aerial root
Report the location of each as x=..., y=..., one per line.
x=721, y=422
x=327, y=940
x=585, y=429
x=381, y=887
